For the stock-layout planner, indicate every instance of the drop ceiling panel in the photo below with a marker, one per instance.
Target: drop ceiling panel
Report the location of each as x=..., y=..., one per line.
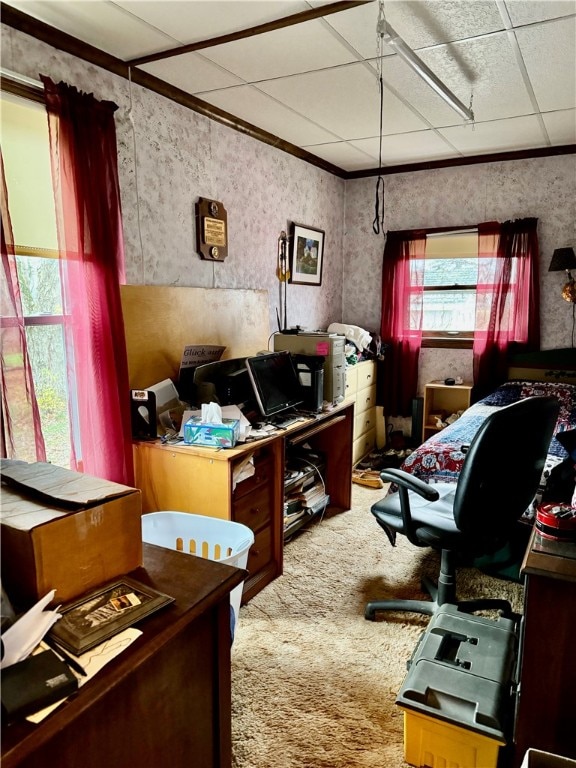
x=101, y=24
x=548, y=50
x=498, y=136
x=407, y=147
x=246, y=101
x=314, y=84
x=487, y=69
x=282, y=52
x=528, y=11
x=561, y=126
x=432, y=22
x=192, y=72
x=344, y=100
x=203, y=19
x=343, y=155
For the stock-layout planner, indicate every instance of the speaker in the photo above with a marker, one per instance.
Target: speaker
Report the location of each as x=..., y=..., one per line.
x=143, y=414
x=417, y=418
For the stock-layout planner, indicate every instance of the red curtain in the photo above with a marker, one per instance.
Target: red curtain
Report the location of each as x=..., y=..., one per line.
x=401, y=325
x=21, y=428
x=507, y=298
x=89, y=224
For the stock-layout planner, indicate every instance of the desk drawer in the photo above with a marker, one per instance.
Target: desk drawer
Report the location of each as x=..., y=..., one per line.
x=254, y=510
x=261, y=551
x=263, y=474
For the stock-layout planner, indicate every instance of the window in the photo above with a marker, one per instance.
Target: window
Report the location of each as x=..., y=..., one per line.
x=25, y=150
x=449, y=274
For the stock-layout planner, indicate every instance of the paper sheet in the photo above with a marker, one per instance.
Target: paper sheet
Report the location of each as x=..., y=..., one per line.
x=93, y=661
x=23, y=636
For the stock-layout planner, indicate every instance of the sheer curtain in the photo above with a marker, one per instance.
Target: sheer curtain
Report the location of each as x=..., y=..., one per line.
x=89, y=224
x=20, y=414
x=507, y=298
x=401, y=325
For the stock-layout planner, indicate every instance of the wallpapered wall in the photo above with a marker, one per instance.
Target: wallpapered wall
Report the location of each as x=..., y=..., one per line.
x=169, y=156
x=544, y=188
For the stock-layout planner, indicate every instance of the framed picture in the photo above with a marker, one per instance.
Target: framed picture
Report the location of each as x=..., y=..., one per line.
x=307, y=255
x=99, y=615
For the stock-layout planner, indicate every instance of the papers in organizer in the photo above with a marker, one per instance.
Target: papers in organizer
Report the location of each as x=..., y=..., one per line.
x=219, y=412
x=23, y=636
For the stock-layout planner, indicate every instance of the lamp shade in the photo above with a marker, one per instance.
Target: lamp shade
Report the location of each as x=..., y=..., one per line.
x=562, y=258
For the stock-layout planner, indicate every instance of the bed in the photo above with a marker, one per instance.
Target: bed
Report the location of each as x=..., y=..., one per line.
x=440, y=457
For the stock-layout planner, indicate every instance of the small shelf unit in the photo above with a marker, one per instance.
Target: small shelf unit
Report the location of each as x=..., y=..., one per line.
x=440, y=401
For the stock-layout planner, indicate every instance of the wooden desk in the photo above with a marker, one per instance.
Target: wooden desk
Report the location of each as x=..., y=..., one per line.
x=165, y=700
x=545, y=712
x=202, y=480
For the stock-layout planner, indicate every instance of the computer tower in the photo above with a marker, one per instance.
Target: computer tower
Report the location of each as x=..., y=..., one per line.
x=331, y=346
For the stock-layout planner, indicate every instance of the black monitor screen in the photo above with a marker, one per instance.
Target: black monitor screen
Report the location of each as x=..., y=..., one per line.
x=275, y=382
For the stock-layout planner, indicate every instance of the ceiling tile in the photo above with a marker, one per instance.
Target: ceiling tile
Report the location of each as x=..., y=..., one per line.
x=101, y=24
x=344, y=100
x=287, y=51
x=189, y=22
x=343, y=155
x=497, y=136
x=191, y=72
x=487, y=69
x=407, y=148
x=561, y=126
x=528, y=11
x=549, y=50
x=246, y=101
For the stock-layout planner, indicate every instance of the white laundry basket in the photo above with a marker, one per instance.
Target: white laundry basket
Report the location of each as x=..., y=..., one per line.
x=209, y=537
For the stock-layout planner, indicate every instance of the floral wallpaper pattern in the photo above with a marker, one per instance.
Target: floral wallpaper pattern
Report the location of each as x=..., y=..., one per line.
x=169, y=156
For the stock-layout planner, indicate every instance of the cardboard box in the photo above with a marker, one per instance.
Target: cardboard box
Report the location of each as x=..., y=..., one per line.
x=223, y=435
x=65, y=530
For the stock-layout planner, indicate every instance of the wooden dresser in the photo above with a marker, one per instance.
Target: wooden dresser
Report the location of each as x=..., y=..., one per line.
x=361, y=390
x=165, y=700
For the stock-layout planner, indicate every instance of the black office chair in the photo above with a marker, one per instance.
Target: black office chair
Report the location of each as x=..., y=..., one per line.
x=475, y=516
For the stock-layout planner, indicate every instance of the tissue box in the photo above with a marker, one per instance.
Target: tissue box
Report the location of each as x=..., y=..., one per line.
x=225, y=435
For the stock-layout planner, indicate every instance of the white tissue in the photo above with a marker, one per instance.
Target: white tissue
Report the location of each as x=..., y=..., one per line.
x=211, y=413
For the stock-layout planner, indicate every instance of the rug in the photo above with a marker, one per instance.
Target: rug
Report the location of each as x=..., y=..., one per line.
x=313, y=683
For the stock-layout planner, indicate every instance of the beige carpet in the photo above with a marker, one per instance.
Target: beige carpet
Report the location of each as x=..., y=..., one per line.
x=313, y=682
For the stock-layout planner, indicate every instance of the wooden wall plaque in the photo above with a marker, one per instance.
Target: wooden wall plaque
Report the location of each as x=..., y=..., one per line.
x=211, y=230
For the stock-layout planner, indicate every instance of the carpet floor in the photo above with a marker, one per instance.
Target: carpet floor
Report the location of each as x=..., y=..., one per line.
x=313, y=683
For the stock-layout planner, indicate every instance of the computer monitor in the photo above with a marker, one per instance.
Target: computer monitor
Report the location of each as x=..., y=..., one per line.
x=275, y=382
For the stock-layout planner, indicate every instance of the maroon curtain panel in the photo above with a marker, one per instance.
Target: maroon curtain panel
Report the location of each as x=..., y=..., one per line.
x=507, y=299
x=401, y=324
x=89, y=224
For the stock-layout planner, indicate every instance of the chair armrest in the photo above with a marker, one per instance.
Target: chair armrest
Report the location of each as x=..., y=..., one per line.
x=411, y=482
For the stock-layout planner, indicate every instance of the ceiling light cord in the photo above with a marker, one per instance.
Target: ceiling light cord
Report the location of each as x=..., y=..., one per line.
x=378, y=223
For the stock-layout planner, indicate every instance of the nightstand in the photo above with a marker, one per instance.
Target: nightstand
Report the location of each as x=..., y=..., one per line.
x=440, y=401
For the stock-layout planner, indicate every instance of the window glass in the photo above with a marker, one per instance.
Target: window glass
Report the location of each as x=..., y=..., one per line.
x=25, y=150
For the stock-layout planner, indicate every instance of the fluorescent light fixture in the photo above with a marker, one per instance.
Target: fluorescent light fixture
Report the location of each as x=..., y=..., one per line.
x=414, y=61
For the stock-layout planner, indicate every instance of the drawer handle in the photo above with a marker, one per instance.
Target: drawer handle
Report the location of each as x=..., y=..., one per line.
x=255, y=510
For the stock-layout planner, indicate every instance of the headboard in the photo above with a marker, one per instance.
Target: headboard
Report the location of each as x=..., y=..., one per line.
x=159, y=321
x=545, y=365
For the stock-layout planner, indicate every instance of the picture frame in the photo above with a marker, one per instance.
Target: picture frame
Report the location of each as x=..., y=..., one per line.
x=306, y=255
x=102, y=613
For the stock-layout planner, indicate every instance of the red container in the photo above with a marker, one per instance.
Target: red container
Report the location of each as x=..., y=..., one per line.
x=556, y=521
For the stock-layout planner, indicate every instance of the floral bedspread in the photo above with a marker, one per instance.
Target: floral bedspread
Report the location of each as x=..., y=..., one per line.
x=440, y=457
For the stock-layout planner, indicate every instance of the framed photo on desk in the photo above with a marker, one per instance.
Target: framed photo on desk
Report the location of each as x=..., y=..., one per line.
x=99, y=615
